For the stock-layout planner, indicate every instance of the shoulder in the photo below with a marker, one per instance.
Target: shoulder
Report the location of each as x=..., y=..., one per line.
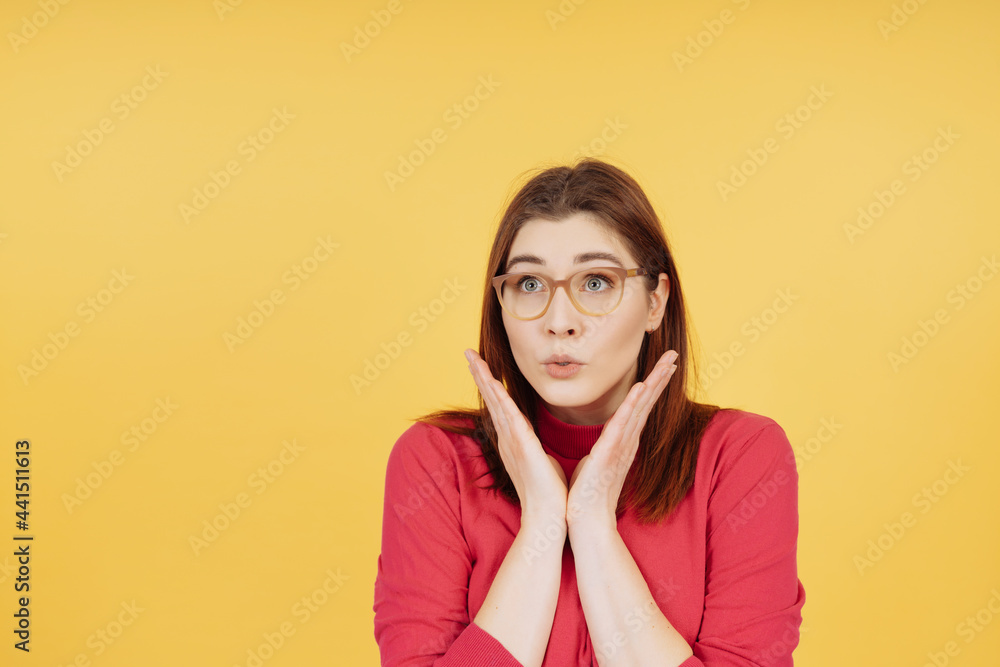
x=424, y=446
x=746, y=462
x=733, y=436
x=730, y=424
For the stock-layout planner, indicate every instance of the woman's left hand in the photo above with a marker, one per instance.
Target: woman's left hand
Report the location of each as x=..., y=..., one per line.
x=597, y=481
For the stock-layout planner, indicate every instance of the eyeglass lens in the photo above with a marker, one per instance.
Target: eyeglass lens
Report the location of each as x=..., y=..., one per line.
x=596, y=291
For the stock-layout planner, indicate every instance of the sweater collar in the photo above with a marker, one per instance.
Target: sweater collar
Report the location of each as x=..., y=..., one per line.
x=570, y=441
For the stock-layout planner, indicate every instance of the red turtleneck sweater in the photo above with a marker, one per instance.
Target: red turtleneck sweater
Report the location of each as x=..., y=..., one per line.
x=721, y=567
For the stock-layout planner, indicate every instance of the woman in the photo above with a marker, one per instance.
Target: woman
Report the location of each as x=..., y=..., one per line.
x=618, y=522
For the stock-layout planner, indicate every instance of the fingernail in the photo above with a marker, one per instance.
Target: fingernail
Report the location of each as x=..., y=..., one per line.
x=468, y=356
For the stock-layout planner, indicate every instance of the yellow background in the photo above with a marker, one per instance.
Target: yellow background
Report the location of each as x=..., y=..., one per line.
x=682, y=127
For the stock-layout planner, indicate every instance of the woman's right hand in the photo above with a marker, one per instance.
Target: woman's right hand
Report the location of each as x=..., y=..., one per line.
x=538, y=478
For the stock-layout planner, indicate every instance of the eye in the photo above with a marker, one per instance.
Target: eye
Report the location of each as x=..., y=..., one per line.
x=596, y=281
x=529, y=280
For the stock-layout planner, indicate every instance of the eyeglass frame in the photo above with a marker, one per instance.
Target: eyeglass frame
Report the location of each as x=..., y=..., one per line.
x=623, y=273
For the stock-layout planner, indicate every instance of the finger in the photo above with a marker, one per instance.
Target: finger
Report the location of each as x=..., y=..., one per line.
x=483, y=379
x=639, y=410
x=502, y=402
x=636, y=418
x=494, y=402
x=480, y=381
x=631, y=407
x=661, y=386
x=661, y=371
x=668, y=359
x=631, y=416
x=618, y=429
x=497, y=416
x=662, y=376
x=507, y=418
x=657, y=381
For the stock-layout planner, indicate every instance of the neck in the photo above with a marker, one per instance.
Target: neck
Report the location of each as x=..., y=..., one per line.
x=571, y=441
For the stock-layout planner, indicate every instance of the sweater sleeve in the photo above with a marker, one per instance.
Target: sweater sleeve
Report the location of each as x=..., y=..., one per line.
x=422, y=581
x=753, y=597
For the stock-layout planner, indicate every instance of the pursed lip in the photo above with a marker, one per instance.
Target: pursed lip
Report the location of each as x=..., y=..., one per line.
x=561, y=359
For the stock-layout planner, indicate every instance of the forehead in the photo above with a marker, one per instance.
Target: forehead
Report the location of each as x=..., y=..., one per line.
x=558, y=243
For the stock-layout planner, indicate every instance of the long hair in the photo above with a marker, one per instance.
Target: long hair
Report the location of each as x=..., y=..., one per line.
x=665, y=462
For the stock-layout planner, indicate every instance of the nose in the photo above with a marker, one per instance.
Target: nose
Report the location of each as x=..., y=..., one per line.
x=562, y=316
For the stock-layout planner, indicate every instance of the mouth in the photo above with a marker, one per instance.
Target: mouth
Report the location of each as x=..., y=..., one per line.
x=562, y=360
x=562, y=369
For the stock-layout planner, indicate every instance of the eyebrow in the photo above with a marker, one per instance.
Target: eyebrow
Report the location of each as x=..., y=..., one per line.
x=579, y=259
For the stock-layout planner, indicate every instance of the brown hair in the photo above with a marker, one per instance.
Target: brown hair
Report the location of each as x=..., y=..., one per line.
x=664, y=466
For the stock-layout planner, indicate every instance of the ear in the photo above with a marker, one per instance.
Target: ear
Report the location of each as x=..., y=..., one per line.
x=658, y=303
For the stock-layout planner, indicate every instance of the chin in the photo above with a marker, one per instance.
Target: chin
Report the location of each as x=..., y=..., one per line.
x=565, y=393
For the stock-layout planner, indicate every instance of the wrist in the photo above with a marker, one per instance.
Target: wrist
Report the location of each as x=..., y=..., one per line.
x=590, y=524
x=546, y=521
x=542, y=537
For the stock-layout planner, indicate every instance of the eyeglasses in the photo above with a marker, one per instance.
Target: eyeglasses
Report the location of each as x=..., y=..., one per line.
x=594, y=291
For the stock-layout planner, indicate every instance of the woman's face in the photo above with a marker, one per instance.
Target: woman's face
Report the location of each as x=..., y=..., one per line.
x=607, y=346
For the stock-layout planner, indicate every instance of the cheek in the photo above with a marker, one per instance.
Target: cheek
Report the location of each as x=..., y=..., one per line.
x=520, y=340
x=618, y=342
x=619, y=329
